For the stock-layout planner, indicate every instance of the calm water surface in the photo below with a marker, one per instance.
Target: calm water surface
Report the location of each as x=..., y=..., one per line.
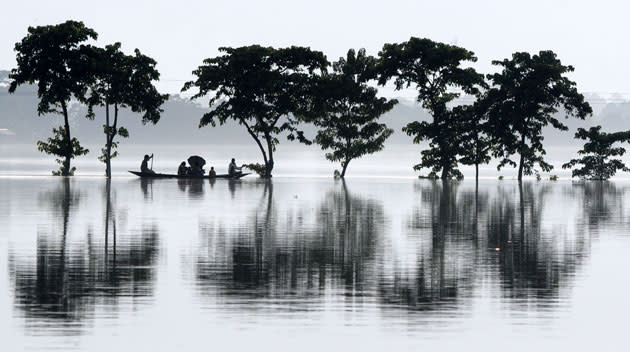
x=305, y=264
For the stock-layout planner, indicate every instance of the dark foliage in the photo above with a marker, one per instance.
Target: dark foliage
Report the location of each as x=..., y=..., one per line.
x=122, y=81
x=346, y=110
x=54, y=58
x=260, y=88
x=526, y=96
x=434, y=69
x=596, y=159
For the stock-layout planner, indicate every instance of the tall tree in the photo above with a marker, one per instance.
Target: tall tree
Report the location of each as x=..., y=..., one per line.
x=435, y=70
x=475, y=139
x=346, y=110
x=595, y=161
x=526, y=96
x=260, y=88
x=122, y=81
x=54, y=57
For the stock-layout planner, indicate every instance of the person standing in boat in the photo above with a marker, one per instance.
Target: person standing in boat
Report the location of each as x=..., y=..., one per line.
x=144, y=167
x=233, y=170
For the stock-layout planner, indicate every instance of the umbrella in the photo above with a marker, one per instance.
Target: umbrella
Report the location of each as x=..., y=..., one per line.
x=196, y=160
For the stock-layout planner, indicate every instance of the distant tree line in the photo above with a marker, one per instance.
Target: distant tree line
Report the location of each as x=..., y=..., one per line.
x=275, y=91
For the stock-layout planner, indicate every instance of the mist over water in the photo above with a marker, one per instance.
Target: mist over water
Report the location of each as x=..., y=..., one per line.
x=311, y=263
x=292, y=160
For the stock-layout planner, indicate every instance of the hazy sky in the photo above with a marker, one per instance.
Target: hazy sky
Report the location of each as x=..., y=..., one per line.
x=590, y=35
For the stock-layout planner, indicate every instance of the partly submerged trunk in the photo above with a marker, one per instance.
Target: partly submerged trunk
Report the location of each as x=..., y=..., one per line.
x=110, y=133
x=522, y=158
x=344, y=166
x=269, y=163
x=477, y=173
x=445, y=171
x=68, y=139
x=108, y=146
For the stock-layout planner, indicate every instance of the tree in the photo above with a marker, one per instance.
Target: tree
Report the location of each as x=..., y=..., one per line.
x=597, y=151
x=475, y=138
x=122, y=81
x=525, y=97
x=346, y=110
x=434, y=69
x=54, y=57
x=259, y=88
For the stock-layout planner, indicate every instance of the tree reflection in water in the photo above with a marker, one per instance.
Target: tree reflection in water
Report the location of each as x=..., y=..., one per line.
x=299, y=252
x=67, y=279
x=532, y=260
x=456, y=236
x=444, y=229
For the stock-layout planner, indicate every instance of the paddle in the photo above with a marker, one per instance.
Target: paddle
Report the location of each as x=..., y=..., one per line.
x=151, y=161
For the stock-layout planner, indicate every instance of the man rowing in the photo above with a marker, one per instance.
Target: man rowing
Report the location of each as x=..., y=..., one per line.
x=144, y=167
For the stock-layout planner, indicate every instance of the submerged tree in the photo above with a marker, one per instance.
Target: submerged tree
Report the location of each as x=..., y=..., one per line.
x=526, y=96
x=122, y=81
x=596, y=154
x=434, y=69
x=476, y=142
x=53, y=57
x=259, y=88
x=346, y=110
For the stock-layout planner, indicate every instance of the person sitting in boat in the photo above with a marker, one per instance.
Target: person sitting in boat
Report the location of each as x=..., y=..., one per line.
x=196, y=170
x=183, y=169
x=144, y=167
x=234, y=170
x=212, y=173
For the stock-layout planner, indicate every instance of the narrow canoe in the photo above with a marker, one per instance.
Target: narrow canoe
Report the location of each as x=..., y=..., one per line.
x=147, y=175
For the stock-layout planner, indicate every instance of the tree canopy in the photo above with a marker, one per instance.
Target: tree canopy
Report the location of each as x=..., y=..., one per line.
x=529, y=93
x=596, y=154
x=54, y=57
x=346, y=110
x=476, y=143
x=260, y=88
x=435, y=70
x=122, y=81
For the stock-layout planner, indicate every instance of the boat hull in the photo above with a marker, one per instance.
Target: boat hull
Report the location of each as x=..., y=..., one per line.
x=187, y=177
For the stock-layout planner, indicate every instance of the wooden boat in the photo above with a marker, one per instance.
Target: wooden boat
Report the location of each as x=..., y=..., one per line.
x=186, y=177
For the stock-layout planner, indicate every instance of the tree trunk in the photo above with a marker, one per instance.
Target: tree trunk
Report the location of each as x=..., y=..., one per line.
x=111, y=134
x=260, y=146
x=108, y=148
x=520, y=164
x=344, y=166
x=522, y=209
x=445, y=171
x=269, y=163
x=477, y=173
x=68, y=137
x=520, y=168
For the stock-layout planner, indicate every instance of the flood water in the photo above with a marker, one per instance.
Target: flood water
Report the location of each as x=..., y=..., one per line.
x=312, y=264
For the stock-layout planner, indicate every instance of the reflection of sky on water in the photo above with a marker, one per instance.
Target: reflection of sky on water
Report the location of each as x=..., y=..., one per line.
x=399, y=260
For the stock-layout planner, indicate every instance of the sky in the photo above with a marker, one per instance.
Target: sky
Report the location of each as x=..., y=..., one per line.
x=590, y=35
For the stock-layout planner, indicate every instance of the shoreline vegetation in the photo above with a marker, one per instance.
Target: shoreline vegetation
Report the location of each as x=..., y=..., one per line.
x=271, y=92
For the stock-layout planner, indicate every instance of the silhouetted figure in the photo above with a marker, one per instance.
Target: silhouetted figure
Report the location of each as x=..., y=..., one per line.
x=183, y=169
x=212, y=173
x=144, y=167
x=196, y=170
x=234, y=170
